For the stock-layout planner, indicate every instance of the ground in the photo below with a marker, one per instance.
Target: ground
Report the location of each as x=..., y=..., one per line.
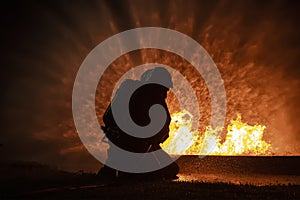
x=207, y=178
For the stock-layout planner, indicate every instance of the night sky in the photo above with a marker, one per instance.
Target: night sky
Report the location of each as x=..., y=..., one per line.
x=255, y=44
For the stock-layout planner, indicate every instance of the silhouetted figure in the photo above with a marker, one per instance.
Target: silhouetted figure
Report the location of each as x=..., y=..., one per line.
x=147, y=94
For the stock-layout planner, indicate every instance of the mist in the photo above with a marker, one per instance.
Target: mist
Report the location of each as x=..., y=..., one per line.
x=254, y=44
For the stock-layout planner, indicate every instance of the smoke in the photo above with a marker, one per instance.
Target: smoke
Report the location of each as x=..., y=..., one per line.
x=254, y=44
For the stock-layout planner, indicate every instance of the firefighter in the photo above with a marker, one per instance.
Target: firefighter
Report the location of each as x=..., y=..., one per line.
x=152, y=89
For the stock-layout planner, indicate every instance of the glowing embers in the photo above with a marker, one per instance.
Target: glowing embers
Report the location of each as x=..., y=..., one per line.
x=241, y=138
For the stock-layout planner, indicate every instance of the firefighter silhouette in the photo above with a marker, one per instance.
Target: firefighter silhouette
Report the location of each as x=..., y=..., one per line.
x=152, y=88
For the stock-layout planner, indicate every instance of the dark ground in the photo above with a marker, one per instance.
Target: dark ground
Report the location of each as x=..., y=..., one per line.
x=212, y=177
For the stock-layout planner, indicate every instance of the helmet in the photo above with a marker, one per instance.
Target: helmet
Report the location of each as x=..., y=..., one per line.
x=158, y=75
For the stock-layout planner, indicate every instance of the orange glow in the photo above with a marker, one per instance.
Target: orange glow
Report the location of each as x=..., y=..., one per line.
x=241, y=138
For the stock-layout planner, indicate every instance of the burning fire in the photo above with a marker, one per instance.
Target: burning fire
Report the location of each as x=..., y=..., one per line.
x=241, y=138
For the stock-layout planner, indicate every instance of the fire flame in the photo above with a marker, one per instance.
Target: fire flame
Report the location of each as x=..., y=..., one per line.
x=241, y=138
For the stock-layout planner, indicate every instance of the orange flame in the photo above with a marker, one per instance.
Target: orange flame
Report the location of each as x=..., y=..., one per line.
x=241, y=138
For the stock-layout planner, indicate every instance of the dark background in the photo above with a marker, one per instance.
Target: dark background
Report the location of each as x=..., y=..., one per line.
x=255, y=45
